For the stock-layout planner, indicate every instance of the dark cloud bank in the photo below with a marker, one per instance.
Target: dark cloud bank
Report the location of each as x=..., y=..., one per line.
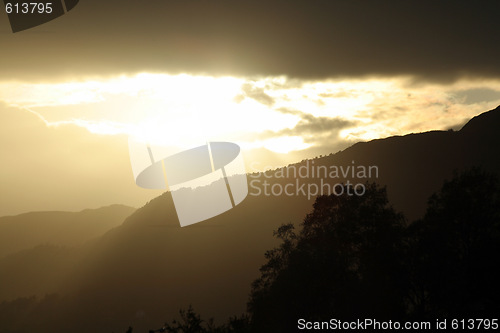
x=435, y=40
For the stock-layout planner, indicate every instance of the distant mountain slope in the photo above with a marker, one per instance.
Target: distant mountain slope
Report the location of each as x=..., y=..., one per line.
x=414, y=166
x=58, y=228
x=485, y=123
x=37, y=271
x=143, y=271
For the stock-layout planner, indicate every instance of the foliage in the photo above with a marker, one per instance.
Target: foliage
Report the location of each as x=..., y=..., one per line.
x=456, y=248
x=354, y=257
x=345, y=260
x=191, y=322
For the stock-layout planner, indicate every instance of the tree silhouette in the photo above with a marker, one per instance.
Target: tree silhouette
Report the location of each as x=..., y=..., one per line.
x=346, y=261
x=354, y=257
x=455, y=249
x=191, y=322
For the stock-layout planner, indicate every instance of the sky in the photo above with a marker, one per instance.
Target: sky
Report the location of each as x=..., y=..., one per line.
x=286, y=80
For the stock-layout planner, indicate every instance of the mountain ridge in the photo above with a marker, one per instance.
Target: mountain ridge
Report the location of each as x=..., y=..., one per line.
x=26, y=230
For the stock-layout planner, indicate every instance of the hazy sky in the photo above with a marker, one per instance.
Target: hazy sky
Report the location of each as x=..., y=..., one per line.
x=310, y=77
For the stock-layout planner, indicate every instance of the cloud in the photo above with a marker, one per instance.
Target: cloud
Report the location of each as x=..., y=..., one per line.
x=314, y=130
x=431, y=40
x=339, y=94
x=310, y=125
x=273, y=112
x=477, y=95
x=256, y=93
x=61, y=167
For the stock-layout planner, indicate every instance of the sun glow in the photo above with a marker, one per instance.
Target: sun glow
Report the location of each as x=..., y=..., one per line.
x=286, y=144
x=276, y=113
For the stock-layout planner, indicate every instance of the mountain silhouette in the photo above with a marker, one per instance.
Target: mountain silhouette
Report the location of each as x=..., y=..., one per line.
x=38, y=249
x=142, y=272
x=483, y=124
x=414, y=166
x=58, y=228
